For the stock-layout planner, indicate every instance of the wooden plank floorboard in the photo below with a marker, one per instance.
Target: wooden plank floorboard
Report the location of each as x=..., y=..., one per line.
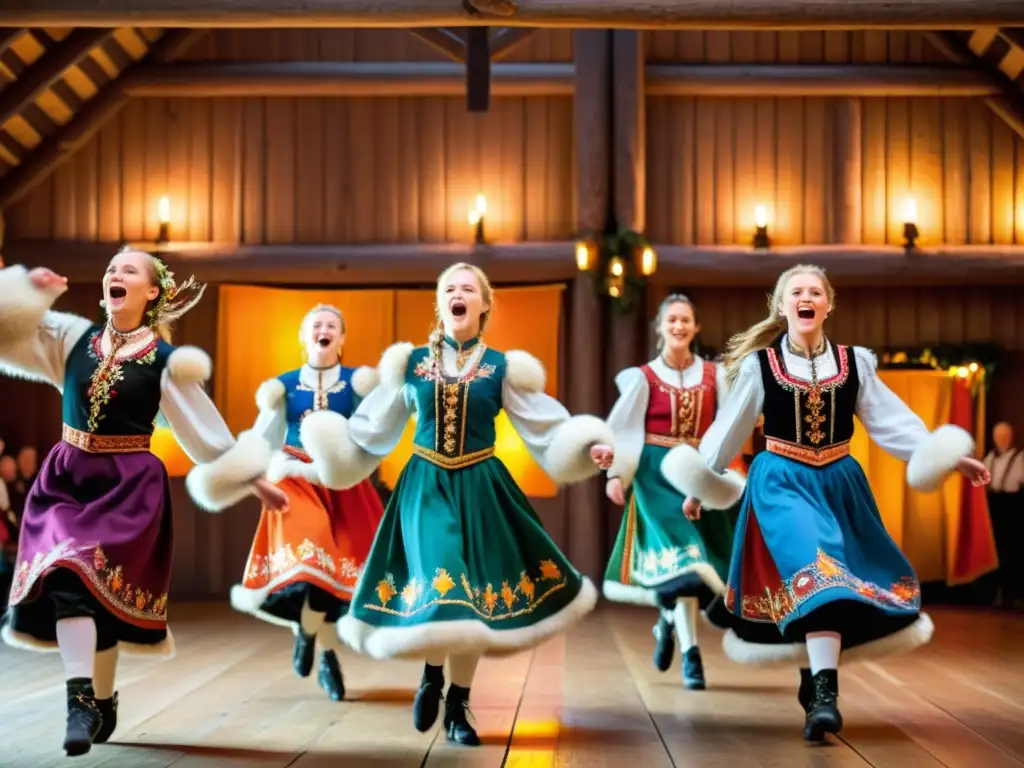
x=591, y=698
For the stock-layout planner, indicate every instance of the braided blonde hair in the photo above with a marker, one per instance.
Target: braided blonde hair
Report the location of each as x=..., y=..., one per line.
x=437, y=331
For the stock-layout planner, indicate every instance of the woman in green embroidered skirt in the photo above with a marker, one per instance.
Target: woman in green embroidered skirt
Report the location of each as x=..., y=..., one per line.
x=660, y=557
x=461, y=566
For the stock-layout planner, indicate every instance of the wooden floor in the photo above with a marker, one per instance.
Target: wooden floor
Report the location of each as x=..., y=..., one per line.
x=592, y=698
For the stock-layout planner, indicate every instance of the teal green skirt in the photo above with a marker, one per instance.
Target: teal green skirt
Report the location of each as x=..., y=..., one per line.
x=462, y=564
x=659, y=555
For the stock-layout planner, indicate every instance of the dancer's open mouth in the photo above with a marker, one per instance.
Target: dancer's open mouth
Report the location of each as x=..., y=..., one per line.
x=458, y=309
x=118, y=292
x=805, y=313
x=324, y=342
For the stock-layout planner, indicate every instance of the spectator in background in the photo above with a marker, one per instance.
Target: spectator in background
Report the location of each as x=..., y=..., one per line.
x=28, y=466
x=1006, y=507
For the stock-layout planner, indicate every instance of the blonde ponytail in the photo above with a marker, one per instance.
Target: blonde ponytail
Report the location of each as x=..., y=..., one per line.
x=163, y=330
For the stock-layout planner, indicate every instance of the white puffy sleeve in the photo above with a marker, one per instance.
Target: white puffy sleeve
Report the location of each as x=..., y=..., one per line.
x=271, y=420
x=722, y=387
x=737, y=416
x=930, y=456
x=627, y=420
x=34, y=340
x=559, y=442
x=225, y=468
x=344, y=451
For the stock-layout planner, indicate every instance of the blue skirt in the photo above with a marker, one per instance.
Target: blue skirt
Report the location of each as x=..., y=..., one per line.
x=811, y=554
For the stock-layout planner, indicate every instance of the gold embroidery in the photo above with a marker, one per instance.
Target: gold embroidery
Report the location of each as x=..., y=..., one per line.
x=266, y=568
x=686, y=405
x=813, y=457
x=450, y=399
x=655, y=565
x=814, y=418
x=650, y=438
x=110, y=372
x=91, y=443
x=813, y=390
x=452, y=462
x=443, y=582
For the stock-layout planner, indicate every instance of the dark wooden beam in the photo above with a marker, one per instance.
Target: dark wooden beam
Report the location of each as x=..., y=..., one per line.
x=622, y=14
x=100, y=109
x=847, y=169
x=827, y=80
x=8, y=35
x=507, y=39
x=342, y=78
x=444, y=41
x=478, y=69
x=49, y=68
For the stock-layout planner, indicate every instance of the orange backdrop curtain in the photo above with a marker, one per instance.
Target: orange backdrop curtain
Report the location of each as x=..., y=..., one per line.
x=947, y=534
x=258, y=338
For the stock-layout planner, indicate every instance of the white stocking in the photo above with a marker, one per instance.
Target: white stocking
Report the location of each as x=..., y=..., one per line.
x=685, y=616
x=462, y=668
x=823, y=650
x=104, y=673
x=76, y=639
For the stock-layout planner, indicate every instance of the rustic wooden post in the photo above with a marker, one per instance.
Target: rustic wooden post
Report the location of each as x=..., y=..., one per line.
x=847, y=169
x=585, y=524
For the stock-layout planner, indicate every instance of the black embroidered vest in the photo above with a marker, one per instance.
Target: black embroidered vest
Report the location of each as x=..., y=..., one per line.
x=796, y=412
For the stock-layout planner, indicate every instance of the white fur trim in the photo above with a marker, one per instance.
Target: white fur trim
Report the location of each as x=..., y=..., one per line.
x=283, y=465
x=338, y=461
x=567, y=459
x=688, y=472
x=22, y=305
x=165, y=648
x=364, y=380
x=795, y=654
x=624, y=468
x=224, y=482
x=393, y=363
x=465, y=636
x=250, y=601
x=270, y=395
x=524, y=371
x=637, y=594
x=189, y=365
x=936, y=456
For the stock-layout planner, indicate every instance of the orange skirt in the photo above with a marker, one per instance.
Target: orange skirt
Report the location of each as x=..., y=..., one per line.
x=322, y=540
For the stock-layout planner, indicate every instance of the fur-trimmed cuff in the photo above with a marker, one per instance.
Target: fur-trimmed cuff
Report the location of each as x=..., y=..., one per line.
x=567, y=459
x=338, y=461
x=224, y=482
x=525, y=372
x=364, y=380
x=936, y=456
x=270, y=395
x=22, y=305
x=624, y=468
x=189, y=365
x=688, y=472
x=284, y=465
x=393, y=364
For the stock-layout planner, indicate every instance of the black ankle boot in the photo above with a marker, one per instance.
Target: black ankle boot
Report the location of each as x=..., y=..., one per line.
x=805, y=695
x=456, y=724
x=108, y=711
x=823, y=716
x=427, y=704
x=693, y=670
x=664, y=644
x=302, y=654
x=329, y=676
x=84, y=719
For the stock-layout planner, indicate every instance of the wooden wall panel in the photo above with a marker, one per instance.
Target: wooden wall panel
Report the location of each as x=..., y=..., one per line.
x=314, y=170
x=960, y=163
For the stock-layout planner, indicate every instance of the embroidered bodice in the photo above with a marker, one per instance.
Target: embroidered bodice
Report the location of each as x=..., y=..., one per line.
x=816, y=413
x=680, y=412
x=456, y=412
x=308, y=389
x=114, y=394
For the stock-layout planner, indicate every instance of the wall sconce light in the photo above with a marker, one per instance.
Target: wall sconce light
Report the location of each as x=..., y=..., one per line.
x=910, y=233
x=616, y=276
x=585, y=255
x=761, y=240
x=648, y=261
x=163, y=211
x=476, y=218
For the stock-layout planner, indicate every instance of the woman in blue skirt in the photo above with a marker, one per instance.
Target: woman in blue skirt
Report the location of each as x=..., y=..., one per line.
x=813, y=571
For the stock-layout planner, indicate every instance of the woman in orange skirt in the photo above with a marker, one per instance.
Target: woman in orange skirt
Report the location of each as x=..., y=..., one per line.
x=306, y=560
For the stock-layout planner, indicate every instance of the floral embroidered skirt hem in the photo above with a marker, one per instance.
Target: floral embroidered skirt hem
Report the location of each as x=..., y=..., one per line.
x=659, y=555
x=811, y=554
x=96, y=540
x=462, y=564
x=314, y=551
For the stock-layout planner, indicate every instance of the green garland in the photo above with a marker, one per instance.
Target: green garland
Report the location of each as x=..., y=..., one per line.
x=943, y=357
x=626, y=244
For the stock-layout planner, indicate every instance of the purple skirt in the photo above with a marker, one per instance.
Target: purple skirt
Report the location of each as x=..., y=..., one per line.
x=104, y=518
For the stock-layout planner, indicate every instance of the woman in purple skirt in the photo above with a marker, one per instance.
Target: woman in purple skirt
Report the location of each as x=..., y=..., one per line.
x=94, y=555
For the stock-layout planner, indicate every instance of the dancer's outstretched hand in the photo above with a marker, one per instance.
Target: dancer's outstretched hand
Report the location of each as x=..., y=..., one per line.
x=602, y=456
x=615, y=492
x=974, y=471
x=691, y=508
x=273, y=498
x=43, y=278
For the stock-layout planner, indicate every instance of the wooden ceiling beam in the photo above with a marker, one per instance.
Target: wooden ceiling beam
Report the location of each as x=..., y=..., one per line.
x=632, y=14
x=49, y=68
x=7, y=37
x=444, y=41
x=100, y=109
x=507, y=39
x=478, y=69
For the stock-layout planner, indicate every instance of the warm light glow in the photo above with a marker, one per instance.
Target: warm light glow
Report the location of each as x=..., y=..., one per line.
x=761, y=216
x=583, y=262
x=614, y=291
x=973, y=367
x=163, y=210
x=165, y=447
x=479, y=210
x=910, y=211
x=962, y=372
x=616, y=267
x=648, y=261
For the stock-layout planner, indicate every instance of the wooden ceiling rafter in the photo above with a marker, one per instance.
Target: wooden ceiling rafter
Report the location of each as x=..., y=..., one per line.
x=8, y=35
